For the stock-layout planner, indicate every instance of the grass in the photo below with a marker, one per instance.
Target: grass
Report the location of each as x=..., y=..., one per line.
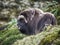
x=12, y=36
x=49, y=37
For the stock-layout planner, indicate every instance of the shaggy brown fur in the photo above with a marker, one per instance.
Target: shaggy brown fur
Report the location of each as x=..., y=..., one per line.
x=32, y=21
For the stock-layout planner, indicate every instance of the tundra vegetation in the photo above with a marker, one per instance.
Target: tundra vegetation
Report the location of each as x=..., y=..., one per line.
x=10, y=9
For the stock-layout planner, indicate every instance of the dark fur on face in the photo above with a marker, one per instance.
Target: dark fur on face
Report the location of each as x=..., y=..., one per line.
x=32, y=21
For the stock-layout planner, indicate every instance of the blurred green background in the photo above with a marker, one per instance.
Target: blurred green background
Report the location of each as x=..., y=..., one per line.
x=10, y=9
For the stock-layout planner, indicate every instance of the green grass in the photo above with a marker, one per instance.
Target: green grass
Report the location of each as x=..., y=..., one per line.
x=12, y=36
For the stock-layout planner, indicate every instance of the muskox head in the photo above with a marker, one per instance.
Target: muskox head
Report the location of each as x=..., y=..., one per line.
x=32, y=21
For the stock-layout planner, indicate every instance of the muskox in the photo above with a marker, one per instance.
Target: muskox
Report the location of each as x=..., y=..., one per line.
x=32, y=21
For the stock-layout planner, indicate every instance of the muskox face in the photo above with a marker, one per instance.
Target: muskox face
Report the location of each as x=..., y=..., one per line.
x=32, y=21
x=22, y=24
x=23, y=21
